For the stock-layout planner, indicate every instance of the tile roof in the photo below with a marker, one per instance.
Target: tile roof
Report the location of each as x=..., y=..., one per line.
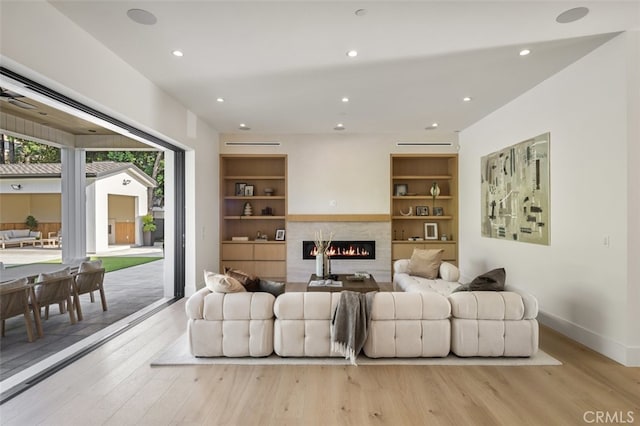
x=96, y=169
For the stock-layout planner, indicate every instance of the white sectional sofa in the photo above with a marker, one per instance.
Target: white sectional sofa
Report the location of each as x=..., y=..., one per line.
x=483, y=323
x=420, y=318
x=493, y=323
x=409, y=325
x=402, y=325
x=230, y=324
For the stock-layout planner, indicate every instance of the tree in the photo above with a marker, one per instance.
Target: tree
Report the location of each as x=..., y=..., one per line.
x=16, y=150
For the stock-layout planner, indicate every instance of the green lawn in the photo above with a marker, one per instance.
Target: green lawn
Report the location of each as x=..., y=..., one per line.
x=113, y=263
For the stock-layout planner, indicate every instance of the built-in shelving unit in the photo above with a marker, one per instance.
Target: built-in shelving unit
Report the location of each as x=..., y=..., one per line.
x=414, y=175
x=265, y=258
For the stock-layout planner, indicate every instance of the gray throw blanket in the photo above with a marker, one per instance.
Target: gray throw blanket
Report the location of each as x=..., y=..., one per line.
x=350, y=323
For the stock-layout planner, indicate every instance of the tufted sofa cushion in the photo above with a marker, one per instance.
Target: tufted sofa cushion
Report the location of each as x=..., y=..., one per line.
x=303, y=324
x=487, y=323
x=408, y=325
x=230, y=324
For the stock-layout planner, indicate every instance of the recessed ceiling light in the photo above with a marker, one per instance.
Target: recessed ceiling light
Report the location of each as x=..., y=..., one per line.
x=466, y=99
x=345, y=99
x=339, y=126
x=220, y=100
x=91, y=131
x=433, y=126
x=178, y=53
x=572, y=15
x=42, y=113
x=524, y=52
x=352, y=53
x=361, y=12
x=142, y=16
x=244, y=127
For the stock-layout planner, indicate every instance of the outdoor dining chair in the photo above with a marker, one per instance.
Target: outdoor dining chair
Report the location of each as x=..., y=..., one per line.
x=14, y=301
x=56, y=288
x=90, y=278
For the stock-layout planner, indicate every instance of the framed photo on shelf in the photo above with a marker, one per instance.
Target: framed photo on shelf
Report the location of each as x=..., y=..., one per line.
x=430, y=231
x=438, y=211
x=280, y=234
x=248, y=190
x=240, y=189
x=400, y=189
x=422, y=211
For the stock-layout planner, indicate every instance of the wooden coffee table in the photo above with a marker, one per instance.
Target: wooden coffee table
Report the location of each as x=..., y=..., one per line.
x=365, y=286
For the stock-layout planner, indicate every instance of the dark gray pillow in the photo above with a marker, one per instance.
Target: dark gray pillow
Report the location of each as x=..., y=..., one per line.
x=272, y=287
x=489, y=281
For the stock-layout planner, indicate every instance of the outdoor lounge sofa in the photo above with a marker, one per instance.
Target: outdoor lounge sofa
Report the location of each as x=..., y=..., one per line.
x=18, y=237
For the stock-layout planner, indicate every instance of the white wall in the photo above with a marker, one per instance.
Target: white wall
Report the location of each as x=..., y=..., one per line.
x=581, y=283
x=98, y=219
x=59, y=54
x=633, y=194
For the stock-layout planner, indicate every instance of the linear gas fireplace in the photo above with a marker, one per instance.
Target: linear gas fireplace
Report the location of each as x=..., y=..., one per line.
x=355, y=250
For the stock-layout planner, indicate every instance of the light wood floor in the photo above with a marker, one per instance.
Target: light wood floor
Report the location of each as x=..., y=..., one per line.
x=115, y=385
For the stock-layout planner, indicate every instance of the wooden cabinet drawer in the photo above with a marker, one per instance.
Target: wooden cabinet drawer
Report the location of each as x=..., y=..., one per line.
x=267, y=269
x=263, y=251
x=247, y=266
x=237, y=251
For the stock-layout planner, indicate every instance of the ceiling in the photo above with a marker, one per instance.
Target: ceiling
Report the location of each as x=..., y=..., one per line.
x=282, y=67
x=50, y=116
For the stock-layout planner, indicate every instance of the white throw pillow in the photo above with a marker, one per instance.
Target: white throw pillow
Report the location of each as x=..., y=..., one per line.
x=222, y=283
x=449, y=272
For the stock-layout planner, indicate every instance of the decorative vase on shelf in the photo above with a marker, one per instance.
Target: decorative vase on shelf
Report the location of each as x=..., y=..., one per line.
x=320, y=265
x=435, y=192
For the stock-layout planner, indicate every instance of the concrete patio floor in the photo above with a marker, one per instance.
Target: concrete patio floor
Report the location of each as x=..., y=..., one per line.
x=127, y=291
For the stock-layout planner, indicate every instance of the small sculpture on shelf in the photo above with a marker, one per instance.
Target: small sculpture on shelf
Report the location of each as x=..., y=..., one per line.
x=247, y=210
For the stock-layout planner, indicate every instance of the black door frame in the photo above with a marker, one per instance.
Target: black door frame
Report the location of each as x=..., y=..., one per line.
x=179, y=166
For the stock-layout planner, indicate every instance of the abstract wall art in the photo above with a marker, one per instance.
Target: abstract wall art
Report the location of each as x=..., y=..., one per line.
x=515, y=192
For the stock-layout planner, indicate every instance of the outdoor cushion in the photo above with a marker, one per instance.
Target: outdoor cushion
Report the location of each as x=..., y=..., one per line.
x=20, y=233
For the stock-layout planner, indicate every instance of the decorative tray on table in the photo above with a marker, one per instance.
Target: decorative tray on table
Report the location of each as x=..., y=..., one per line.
x=355, y=278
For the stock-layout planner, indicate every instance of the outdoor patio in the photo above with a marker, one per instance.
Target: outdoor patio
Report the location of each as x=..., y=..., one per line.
x=127, y=291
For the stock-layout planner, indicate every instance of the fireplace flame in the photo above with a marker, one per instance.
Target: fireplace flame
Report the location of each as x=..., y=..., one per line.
x=337, y=251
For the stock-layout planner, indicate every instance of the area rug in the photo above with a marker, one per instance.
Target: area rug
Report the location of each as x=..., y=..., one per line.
x=178, y=354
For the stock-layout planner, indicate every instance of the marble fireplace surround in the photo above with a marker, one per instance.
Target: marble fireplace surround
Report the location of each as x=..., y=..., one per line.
x=299, y=230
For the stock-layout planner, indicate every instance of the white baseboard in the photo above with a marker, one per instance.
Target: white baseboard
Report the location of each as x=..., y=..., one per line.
x=625, y=355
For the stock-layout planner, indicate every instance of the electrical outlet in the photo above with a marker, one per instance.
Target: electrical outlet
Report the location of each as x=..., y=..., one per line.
x=333, y=203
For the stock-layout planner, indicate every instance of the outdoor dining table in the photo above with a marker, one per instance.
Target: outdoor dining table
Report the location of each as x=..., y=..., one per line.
x=32, y=271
